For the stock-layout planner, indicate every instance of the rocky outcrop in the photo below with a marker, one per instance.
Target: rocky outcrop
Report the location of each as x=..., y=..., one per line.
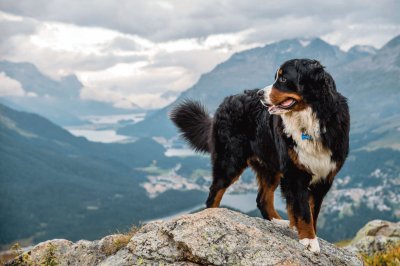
x=376, y=236
x=209, y=237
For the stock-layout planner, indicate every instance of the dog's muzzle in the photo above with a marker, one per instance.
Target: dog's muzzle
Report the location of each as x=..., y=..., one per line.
x=263, y=94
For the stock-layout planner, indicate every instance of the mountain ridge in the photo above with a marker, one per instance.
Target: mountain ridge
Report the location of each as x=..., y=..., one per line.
x=254, y=68
x=58, y=100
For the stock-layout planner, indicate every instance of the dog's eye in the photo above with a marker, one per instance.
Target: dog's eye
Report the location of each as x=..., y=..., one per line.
x=282, y=79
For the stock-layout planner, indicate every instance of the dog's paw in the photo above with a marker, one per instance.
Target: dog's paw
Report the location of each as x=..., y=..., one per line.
x=284, y=223
x=281, y=222
x=311, y=244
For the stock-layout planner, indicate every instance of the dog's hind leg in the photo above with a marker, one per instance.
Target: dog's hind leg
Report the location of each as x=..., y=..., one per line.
x=267, y=181
x=223, y=177
x=265, y=197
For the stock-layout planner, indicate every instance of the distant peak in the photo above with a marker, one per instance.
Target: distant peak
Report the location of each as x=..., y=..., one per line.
x=24, y=65
x=393, y=42
x=363, y=49
x=319, y=42
x=305, y=42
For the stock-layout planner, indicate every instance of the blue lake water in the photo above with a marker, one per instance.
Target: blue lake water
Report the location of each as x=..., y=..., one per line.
x=244, y=202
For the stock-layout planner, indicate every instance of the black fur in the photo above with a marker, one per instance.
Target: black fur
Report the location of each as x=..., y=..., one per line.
x=242, y=133
x=195, y=124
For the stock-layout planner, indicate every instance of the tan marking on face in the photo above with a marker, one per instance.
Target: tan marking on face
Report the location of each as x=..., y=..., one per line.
x=280, y=71
x=276, y=97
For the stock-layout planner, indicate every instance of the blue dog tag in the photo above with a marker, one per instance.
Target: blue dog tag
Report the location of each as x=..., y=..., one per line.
x=304, y=136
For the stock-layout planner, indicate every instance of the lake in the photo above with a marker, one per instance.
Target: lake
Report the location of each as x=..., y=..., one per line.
x=105, y=136
x=243, y=202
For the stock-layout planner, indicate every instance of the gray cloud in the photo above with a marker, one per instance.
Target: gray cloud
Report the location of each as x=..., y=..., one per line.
x=11, y=28
x=156, y=49
x=124, y=44
x=169, y=20
x=9, y=86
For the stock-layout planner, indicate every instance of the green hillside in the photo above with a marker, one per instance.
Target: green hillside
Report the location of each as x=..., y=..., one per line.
x=55, y=185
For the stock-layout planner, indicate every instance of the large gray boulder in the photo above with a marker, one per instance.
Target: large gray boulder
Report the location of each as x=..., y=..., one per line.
x=375, y=236
x=210, y=237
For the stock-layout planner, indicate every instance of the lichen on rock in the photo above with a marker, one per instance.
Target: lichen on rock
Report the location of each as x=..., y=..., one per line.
x=376, y=236
x=210, y=237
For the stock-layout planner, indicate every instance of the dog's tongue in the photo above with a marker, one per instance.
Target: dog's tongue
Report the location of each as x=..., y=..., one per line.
x=286, y=103
x=274, y=108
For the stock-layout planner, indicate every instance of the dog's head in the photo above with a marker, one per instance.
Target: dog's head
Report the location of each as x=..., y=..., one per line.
x=298, y=83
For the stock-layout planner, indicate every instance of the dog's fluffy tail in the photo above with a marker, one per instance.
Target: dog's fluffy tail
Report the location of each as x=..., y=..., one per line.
x=194, y=123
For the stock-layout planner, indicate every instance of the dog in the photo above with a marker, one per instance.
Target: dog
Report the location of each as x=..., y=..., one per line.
x=293, y=133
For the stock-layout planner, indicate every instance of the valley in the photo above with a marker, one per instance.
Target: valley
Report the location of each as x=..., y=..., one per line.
x=121, y=167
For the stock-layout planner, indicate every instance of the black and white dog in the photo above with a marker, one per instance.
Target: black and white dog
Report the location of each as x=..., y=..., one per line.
x=294, y=133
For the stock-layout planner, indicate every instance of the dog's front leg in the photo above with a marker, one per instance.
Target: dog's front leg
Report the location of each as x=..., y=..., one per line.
x=294, y=186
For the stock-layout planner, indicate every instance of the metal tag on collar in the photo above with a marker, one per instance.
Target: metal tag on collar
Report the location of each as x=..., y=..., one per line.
x=305, y=136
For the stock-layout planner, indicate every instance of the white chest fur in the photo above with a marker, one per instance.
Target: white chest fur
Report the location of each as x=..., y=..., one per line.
x=312, y=154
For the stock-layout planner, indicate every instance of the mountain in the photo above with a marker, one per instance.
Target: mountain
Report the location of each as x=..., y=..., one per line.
x=58, y=185
x=33, y=81
x=58, y=100
x=54, y=184
x=363, y=74
x=253, y=68
x=359, y=51
x=368, y=185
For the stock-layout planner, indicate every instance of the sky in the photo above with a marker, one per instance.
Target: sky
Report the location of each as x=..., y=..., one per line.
x=130, y=52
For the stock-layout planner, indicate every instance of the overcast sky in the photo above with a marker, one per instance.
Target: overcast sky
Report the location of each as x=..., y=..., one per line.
x=147, y=52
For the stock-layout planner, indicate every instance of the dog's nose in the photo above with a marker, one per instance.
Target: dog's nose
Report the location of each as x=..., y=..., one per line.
x=260, y=93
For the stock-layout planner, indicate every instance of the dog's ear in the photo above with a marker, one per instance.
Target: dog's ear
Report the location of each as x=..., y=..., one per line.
x=316, y=65
x=313, y=68
x=321, y=89
x=308, y=70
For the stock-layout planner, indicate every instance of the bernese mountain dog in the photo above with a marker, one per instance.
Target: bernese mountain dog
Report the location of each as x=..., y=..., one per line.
x=294, y=132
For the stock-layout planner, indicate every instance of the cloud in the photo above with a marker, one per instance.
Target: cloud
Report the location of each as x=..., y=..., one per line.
x=135, y=83
x=106, y=95
x=136, y=51
x=9, y=86
x=172, y=20
x=14, y=26
x=354, y=34
x=120, y=100
x=60, y=49
x=151, y=100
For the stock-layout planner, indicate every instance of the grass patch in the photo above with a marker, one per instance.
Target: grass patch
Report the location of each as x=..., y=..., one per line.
x=19, y=258
x=343, y=243
x=390, y=257
x=50, y=258
x=121, y=241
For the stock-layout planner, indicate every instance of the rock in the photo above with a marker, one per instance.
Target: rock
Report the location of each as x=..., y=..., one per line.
x=377, y=235
x=210, y=237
